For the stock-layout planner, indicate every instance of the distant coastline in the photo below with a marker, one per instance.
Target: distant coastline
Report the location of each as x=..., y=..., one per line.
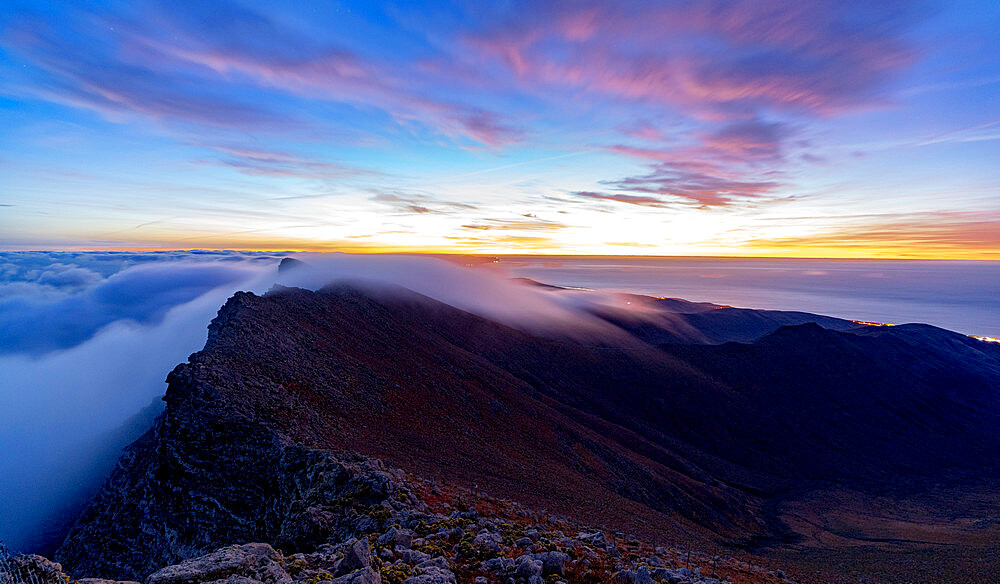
x=959, y=295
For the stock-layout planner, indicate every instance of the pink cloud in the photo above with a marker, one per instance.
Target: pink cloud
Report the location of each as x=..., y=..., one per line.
x=710, y=190
x=747, y=140
x=169, y=67
x=922, y=234
x=710, y=58
x=719, y=169
x=643, y=130
x=339, y=75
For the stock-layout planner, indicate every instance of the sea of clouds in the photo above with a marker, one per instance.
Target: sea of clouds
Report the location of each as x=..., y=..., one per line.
x=86, y=340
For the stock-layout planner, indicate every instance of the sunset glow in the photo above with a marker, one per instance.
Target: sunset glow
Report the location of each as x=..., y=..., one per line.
x=730, y=128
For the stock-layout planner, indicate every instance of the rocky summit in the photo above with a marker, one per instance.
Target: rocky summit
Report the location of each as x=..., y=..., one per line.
x=359, y=435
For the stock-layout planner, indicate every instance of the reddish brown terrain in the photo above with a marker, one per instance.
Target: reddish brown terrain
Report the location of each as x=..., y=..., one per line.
x=838, y=451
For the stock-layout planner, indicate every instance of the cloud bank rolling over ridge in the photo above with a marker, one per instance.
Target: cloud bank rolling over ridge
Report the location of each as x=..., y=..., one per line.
x=90, y=336
x=93, y=335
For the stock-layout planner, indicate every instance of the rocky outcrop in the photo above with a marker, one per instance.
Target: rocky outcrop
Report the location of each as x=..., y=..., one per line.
x=433, y=547
x=291, y=496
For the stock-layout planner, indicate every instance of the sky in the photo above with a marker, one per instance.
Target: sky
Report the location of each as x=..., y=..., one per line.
x=745, y=127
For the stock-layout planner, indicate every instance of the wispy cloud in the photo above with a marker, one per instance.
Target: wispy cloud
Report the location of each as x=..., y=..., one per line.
x=530, y=223
x=256, y=161
x=419, y=203
x=505, y=240
x=80, y=76
x=714, y=58
x=701, y=188
x=933, y=233
x=641, y=200
x=737, y=161
x=184, y=64
x=284, y=60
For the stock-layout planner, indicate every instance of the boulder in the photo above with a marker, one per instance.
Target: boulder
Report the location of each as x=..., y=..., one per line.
x=432, y=574
x=527, y=567
x=257, y=561
x=357, y=556
x=552, y=562
x=397, y=536
x=366, y=575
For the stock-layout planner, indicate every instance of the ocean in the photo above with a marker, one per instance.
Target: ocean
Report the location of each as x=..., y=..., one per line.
x=963, y=296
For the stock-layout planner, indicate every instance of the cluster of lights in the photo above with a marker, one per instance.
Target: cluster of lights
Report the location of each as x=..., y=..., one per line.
x=977, y=337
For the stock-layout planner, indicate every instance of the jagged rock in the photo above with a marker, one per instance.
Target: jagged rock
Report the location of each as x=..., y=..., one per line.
x=596, y=539
x=487, y=540
x=527, y=567
x=414, y=556
x=397, y=537
x=256, y=561
x=438, y=562
x=103, y=581
x=642, y=576
x=552, y=562
x=498, y=565
x=363, y=576
x=33, y=568
x=357, y=556
x=432, y=574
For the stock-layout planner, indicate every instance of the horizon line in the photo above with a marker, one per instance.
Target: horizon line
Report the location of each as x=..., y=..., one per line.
x=432, y=252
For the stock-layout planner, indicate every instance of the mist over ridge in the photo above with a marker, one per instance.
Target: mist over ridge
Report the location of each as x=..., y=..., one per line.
x=88, y=337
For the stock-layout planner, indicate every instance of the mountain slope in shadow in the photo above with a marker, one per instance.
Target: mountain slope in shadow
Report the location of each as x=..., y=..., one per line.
x=693, y=442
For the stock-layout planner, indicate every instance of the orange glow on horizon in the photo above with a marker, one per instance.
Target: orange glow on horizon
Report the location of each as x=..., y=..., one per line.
x=822, y=253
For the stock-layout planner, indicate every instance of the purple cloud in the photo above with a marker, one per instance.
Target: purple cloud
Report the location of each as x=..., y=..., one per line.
x=182, y=64
x=702, y=188
x=717, y=170
x=80, y=78
x=247, y=46
x=750, y=140
x=714, y=58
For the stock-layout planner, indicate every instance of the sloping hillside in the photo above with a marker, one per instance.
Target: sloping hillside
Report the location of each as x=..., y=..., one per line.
x=693, y=443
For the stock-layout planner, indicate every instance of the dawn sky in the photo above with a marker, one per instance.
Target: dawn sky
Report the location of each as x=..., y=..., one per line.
x=758, y=127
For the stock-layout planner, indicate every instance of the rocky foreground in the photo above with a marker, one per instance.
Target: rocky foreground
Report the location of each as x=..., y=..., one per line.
x=375, y=525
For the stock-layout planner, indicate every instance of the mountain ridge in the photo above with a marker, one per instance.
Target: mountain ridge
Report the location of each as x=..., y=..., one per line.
x=660, y=440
